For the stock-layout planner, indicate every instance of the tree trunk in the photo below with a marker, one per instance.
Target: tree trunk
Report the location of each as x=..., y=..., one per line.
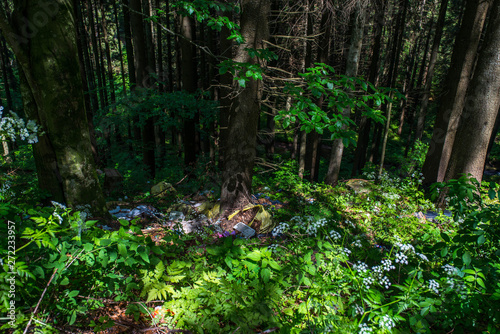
x=457, y=81
x=481, y=108
x=373, y=75
x=141, y=74
x=189, y=77
x=53, y=96
x=352, y=66
x=430, y=71
x=244, y=114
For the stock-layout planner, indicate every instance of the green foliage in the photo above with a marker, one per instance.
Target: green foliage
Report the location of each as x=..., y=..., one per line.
x=338, y=92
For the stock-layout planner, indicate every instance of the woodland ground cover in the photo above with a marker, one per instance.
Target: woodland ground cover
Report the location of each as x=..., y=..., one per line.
x=338, y=260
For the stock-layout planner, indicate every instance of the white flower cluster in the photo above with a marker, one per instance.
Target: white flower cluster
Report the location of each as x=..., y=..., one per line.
x=364, y=329
x=272, y=247
x=433, y=286
x=450, y=270
x=405, y=248
x=350, y=224
x=335, y=235
x=401, y=258
x=281, y=228
x=14, y=126
x=384, y=281
x=358, y=309
x=386, y=322
x=360, y=267
x=314, y=226
x=357, y=243
x=368, y=281
x=346, y=252
x=387, y=265
x=422, y=256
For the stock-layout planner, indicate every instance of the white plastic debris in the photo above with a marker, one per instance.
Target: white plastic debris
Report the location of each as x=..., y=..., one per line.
x=246, y=231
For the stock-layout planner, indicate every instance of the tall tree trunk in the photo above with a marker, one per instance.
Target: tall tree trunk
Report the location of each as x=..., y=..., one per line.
x=457, y=81
x=478, y=119
x=352, y=65
x=430, y=71
x=141, y=74
x=53, y=96
x=373, y=74
x=189, y=77
x=244, y=114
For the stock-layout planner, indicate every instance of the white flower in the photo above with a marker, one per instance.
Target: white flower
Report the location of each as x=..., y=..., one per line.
x=272, y=247
x=433, y=286
x=368, y=281
x=357, y=243
x=384, y=281
x=335, y=235
x=386, y=322
x=346, y=252
x=360, y=267
x=422, y=256
x=358, y=309
x=281, y=228
x=364, y=329
x=387, y=265
x=449, y=270
x=401, y=258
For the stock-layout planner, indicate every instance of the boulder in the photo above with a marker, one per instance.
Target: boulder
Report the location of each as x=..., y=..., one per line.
x=162, y=189
x=360, y=186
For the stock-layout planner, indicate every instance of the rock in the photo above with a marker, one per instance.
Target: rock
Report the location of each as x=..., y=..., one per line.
x=190, y=226
x=162, y=189
x=360, y=186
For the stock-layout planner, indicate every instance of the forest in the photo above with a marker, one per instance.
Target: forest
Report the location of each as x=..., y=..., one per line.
x=251, y=166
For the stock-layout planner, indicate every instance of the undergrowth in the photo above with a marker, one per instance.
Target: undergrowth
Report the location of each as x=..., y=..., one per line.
x=339, y=261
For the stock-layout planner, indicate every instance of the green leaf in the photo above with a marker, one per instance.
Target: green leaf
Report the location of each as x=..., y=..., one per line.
x=445, y=237
x=73, y=293
x=444, y=251
x=242, y=83
x=466, y=258
x=65, y=281
x=122, y=249
x=265, y=274
x=254, y=256
x=480, y=281
x=481, y=240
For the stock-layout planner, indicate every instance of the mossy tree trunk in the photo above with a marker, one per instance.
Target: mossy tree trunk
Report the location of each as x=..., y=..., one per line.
x=42, y=35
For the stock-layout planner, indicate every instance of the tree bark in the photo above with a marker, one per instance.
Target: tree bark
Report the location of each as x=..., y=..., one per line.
x=43, y=37
x=481, y=107
x=245, y=110
x=430, y=71
x=189, y=79
x=352, y=65
x=457, y=81
x=142, y=76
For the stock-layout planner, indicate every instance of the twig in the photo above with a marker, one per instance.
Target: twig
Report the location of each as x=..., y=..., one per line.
x=39, y=301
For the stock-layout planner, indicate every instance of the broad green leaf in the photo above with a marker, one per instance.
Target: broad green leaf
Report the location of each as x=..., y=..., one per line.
x=73, y=293
x=466, y=258
x=254, y=256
